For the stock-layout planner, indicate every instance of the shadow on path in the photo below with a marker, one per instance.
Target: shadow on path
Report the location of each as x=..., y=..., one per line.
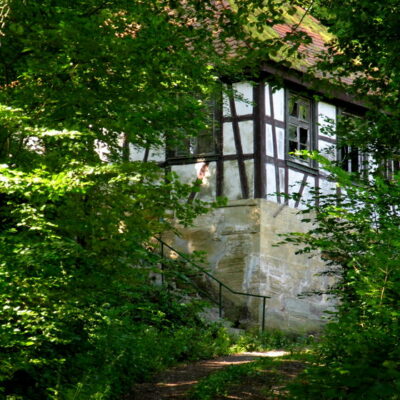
x=176, y=382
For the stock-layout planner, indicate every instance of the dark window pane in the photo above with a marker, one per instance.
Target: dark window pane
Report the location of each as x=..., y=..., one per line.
x=183, y=149
x=344, y=158
x=292, y=132
x=205, y=144
x=292, y=146
x=354, y=159
x=304, y=136
x=304, y=112
x=299, y=127
x=293, y=107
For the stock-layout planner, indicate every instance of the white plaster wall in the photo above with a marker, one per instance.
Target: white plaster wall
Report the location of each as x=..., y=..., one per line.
x=137, y=154
x=102, y=150
x=307, y=192
x=186, y=173
x=278, y=98
x=271, y=187
x=295, y=178
x=208, y=186
x=243, y=98
x=246, y=129
x=326, y=118
x=231, y=186
x=327, y=187
x=267, y=100
x=157, y=155
x=190, y=172
x=280, y=141
x=226, y=108
x=280, y=138
x=271, y=182
x=228, y=139
x=243, y=92
x=269, y=140
x=327, y=149
x=247, y=136
x=249, y=166
x=282, y=176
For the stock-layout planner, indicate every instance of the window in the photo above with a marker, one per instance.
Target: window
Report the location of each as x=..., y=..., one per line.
x=390, y=168
x=351, y=158
x=299, y=128
x=205, y=142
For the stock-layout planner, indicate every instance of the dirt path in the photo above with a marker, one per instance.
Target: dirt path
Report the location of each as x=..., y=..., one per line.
x=267, y=385
x=176, y=382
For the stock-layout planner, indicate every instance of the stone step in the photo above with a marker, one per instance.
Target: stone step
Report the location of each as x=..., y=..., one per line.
x=211, y=314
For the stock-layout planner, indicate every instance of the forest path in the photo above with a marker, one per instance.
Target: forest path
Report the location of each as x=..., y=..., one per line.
x=176, y=382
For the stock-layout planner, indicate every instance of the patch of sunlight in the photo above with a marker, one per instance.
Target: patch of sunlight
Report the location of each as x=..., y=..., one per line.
x=272, y=353
x=184, y=383
x=216, y=363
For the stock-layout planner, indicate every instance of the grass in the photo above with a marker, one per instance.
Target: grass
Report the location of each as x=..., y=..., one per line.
x=271, y=340
x=268, y=374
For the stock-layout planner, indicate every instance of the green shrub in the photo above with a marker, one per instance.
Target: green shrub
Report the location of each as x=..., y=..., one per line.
x=354, y=362
x=79, y=317
x=254, y=340
x=218, y=383
x=358, y=237
x=266, y=368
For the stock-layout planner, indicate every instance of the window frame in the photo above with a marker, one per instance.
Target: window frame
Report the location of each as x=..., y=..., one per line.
x=312, y=129
x=189, y=149
x=356, y=156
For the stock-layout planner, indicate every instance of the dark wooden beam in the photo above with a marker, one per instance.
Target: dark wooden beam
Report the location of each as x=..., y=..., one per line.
x=238, y=144
x=219, y=148
x=326, y=139
x=329, y=92
x=240, y=118
x=259, y=142
x=302, y=187
x=275, y=146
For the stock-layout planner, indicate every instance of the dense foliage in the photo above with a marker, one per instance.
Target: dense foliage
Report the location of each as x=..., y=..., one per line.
x=357, y=233
x=79, y=316
x=81, y=84
x=357, y=236
x=364, y=50
x=75, y=287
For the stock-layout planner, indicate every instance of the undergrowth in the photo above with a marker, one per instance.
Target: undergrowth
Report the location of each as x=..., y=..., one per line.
x=254, y=340
x=220, y=382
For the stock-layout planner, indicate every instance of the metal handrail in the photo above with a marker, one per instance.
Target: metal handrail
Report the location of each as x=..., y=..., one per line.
x=220, y=283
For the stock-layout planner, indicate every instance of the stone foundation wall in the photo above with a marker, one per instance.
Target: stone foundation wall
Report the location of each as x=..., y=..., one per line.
x=239, y=240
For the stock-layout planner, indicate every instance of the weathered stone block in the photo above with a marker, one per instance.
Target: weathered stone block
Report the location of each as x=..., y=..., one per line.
x=240, y=239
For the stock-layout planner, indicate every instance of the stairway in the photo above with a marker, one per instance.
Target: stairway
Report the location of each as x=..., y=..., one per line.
x=196, y=277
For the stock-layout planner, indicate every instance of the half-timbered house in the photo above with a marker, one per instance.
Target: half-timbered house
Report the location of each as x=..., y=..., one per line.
x=248, y=158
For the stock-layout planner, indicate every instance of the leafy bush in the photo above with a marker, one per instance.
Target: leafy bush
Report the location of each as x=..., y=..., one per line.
x=353, y=362
x=217, y=383
x=268, y=369
x=127, y=352
x=270, y=340
x=358, y=237
x=79, y=317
